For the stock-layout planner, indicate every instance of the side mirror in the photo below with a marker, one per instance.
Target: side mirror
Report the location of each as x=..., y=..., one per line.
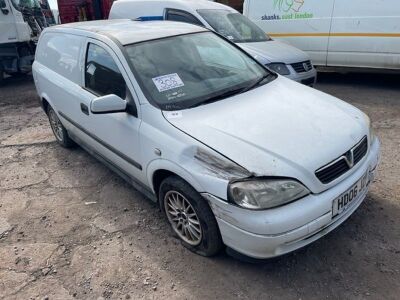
x=3, y=7
x=108, y=104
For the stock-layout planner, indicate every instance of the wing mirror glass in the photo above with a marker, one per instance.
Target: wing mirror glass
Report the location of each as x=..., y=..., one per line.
x=108, y=104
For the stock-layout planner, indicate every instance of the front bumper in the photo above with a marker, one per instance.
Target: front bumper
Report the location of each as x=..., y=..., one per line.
x=307, y=78
x=274, y=232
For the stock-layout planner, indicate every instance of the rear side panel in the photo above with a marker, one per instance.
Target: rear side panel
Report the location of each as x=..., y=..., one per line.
x=365, y=34
x=140, y=9
x=57, y=69
x=305, y=24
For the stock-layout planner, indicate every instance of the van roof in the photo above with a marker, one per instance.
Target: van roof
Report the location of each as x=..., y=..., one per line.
x=188, y=4
x=128, y=31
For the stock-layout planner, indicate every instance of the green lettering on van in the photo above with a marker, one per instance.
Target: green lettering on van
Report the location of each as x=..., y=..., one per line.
x=303, y=16
x=287, y=17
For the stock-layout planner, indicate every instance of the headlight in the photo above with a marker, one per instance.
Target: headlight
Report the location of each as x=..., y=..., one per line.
x=265, y=193
x=279, y=68
x=371, y=132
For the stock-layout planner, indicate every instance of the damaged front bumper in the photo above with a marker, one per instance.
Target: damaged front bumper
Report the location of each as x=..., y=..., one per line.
x=277, y=231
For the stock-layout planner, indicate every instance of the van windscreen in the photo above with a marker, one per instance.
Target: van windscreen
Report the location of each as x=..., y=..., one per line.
x=188, y=70
x=233, y=26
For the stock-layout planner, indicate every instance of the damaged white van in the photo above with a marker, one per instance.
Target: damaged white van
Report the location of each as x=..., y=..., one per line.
x=234, y=154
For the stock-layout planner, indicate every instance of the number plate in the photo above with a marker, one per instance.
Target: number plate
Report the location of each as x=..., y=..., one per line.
x=341, y=203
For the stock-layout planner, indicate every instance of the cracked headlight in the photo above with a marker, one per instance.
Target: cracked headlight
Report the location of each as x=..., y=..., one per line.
x=279, y=68
x=265, y=193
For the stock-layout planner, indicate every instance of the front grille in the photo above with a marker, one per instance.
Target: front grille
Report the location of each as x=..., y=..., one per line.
x=302, y=67
x=360, y=150
x=344, y=163
x=332, y=172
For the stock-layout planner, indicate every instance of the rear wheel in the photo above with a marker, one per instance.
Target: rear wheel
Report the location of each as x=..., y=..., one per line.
x=59, y=130
x=19, y=75
x=190, y=217
x=1, y=75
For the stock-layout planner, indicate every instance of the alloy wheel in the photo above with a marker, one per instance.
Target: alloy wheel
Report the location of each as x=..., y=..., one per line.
x=183, y=218
x=56, y=125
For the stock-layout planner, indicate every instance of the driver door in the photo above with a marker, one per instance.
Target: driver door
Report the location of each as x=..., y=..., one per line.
x=114, y=136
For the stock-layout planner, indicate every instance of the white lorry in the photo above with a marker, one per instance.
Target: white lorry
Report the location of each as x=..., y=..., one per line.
x=343, y=33
x=21, y=22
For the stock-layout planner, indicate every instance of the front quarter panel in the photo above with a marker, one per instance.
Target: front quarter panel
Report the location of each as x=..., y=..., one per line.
x=204, y=169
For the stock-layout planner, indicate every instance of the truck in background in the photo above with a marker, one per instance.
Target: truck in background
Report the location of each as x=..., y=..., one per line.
x=83, y=10
x=21, y=22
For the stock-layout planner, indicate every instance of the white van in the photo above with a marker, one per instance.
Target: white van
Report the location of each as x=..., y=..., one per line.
x=279, y=57
x=345, y=33
x=233, y=153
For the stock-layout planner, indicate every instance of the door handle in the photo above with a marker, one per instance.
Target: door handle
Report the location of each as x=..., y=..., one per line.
x=84, y=109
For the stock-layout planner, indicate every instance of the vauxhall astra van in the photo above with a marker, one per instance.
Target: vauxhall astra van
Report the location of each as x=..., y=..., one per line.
x=233, y=153
x=280, y=57
x=344, y=33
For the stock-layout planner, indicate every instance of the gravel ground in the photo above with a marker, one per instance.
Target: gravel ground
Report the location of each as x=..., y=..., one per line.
x=70, y=228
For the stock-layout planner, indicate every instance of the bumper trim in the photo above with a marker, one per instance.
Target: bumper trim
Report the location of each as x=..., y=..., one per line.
x=263, y=246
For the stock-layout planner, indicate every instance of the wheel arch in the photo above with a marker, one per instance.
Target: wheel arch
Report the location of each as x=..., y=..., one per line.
x=160, y=169
x=45, y=102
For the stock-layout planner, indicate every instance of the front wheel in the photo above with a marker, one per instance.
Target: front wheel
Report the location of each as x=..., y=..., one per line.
x=190, y=217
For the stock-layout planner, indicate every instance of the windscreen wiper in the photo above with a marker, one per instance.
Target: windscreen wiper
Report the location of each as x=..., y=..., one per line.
x=256, y=83
x=219, y=97
x=233, y=92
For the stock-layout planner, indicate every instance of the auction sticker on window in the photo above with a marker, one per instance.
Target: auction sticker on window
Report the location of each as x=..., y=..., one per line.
x=168, y=82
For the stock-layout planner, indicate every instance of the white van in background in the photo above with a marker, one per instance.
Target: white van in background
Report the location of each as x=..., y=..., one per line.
x=356, y=33
x=279, y=57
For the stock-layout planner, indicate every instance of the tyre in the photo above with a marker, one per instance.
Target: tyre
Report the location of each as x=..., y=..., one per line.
x=19, y=75
x=59, y=130
x=1, y=76
x=190, y=217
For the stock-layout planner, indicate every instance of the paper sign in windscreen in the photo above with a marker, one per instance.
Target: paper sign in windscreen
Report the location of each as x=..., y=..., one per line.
x=168, y=82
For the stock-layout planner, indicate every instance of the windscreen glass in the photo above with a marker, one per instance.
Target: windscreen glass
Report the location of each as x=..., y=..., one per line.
x=193, y=69
x=233, y=26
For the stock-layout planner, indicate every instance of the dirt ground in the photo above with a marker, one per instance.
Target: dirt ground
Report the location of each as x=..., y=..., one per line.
x=70, y=228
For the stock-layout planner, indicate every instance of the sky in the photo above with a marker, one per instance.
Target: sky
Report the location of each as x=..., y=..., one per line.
x=53, y=4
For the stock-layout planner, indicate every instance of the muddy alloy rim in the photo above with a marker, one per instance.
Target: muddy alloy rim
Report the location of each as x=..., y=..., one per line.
x=183, y=218
x=56, y=125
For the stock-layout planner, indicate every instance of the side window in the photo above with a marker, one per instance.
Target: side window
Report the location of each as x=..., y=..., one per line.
x=181, y=16
x=60, y=53
x=102, y=75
